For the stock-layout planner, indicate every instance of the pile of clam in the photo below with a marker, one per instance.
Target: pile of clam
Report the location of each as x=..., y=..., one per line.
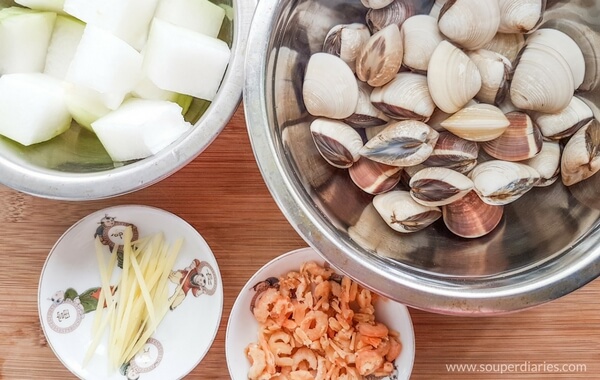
x=452, y=114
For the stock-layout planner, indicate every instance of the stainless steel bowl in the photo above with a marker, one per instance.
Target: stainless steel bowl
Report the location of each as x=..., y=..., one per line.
x=74, y=166
x=548, y=243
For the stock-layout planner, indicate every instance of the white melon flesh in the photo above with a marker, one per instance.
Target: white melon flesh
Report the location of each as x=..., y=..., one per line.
x=105, y=64
x=127, y=19
x=63, y=44
x=24, y=39
x=180, y=60
x=201, y=16
x=85, y=105
x=43, y=5
x=33, y=108
x=140, y=128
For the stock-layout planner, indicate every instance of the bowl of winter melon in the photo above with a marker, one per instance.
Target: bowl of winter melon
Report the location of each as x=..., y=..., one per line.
x=100, y=98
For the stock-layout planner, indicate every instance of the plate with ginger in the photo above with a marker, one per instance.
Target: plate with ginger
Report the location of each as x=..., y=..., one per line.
x=300, y=318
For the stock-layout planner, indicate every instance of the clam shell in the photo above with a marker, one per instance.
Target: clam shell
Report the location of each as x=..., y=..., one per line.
x=396, y=13
x=439, y=186
x=374, y=177
x=480, y=122
x=495, y=70
x=336, y=141
x=506, y=44
x=581, y=156
x=437, y=7
x=420, y=37
x=542, y=80
x=374, y=131
x=453, y=152
x=520, y=16
x=547, y=163
x=366, y=115
x=452, y=77
x=566, y=122
x=402, y=213
x=381, y=57
x=469, y=23
x=405, y=97
x=405, y=143
x=470, y=217
x=329, y=88
x=376, y=4
x=565, y=46
x=521, y=140
x=346, y=41
x=502, y=182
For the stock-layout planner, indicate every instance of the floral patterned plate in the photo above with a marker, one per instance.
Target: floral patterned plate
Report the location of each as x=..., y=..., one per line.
x=242, y=328
x=69, y=289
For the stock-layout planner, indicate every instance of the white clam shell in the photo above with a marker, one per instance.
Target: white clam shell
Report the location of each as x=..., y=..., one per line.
x=454, y=153
x=420, y=37
x=565, y=123
x=581, y=156
x=470, y=23
x=437, y=7
x=346, y=41
x=507, y=44
x=520, y=16
x=329, y=88
x=495, y=70
x=542, y=80
x=381, y=57
x=502, y=182
x=405, y=97
x=438, y=186
x=547, y=163
x=366, y=115
x=479, y=122
x=376, y=4
x=337, y=142
x=399, y=210
x=452, y=77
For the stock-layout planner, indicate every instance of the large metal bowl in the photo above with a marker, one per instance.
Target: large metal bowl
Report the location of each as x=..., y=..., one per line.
x=548, y=243
x=74, y=166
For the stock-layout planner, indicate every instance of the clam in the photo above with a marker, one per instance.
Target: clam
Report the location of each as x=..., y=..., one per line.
x=404, y=143
x=521, y=140
x=565, y=46
x=507, y=44
x=479, y=122
x=346, y=41
x=329, y=88
x=566, y=122
x=376, y=4
x=439, y=186
x=470, y=23
x=366, y=115
x=420, y=37
x=470, y=217
x=495, y=70
x=547, y=163
x=437, y=7
x=393, y=14
x=336, y=141
x=502, y=182
x=453, y=152
x=452, y=77
x=542, y=80
x=402, y=213
x=581, y=156
x=520, y=16
x=374, y=177
x=374, y=131
x=405, y=97
x=381, y=57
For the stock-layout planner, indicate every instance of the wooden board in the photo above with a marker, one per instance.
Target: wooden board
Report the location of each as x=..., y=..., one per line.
x=223, y=195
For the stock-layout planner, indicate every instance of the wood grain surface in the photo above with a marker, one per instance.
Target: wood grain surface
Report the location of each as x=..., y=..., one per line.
x=222, y=195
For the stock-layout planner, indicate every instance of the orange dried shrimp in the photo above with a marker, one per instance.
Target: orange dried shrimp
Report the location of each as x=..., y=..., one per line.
x=316, y=324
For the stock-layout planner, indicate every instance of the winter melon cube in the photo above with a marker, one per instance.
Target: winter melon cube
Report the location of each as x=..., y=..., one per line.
x=146, y=89
x=63, y=44
x=181, y=60
x=33, y=107
x=127, y=19
x=24, y=39
x=201, y=16
x=140, y=128
x=106, y=64
x=43, y=5
x=85, y=105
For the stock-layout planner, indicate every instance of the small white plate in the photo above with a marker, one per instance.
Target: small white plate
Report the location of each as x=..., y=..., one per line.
x=242, y=328
x=70, y=276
